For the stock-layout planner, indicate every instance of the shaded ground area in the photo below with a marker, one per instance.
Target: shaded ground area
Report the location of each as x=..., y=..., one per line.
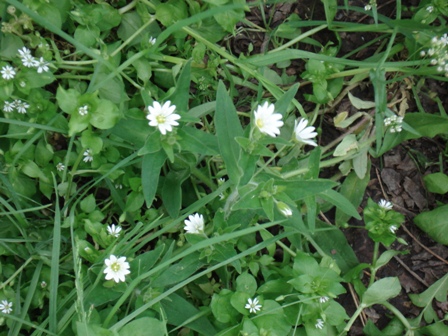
x=397, y=175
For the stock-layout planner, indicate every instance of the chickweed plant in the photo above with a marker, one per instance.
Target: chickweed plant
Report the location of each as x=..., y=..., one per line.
x=155, y=182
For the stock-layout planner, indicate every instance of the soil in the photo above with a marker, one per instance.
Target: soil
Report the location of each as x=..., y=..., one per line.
x=397, y=175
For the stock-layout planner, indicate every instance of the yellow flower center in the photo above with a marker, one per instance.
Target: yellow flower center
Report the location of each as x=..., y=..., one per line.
x=259, y=123
x=160, y=119
x=115, y=267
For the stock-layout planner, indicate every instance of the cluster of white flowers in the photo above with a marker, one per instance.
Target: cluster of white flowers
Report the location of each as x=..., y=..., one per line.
x=438, y=52
x=31, y=62
x=268, y=122
x=253, y=305
x=6, y=307
x=163, y=116
x=17, y=104
x=83, y=110
x=194, y=224
x=395, y=124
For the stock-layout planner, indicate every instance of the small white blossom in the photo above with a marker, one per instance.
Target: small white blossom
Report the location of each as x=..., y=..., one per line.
x=42, y=65
x=29, y=61
x=392, y=229
x=43, y=284
x=83, y=110
x=429, y=9
x=118, y=186
x=60, y=166
x=386, y=205
x=21, y=106
x=324, y=299
x=395, y=123
x=253, y=305
x=162, y=116
x=152, y=40
x=319, y=324
x=367, y=7
x=267, y=121
x=8, y=72
x=116, y=268
x=8, y=107
x=114, y=230
x=194, y=224
x=24, y=52
x=284, y=209
x=6, y=307
x=88, y=155
x=305, y=133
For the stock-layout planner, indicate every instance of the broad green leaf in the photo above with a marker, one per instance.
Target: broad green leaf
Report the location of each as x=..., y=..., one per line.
x=273, y=321
x=385, y=257
x=239, y=300
x=341, y=202
x=348, y=144
x=181, y=95
x=87, y=35
x=67, y=99
x=353, y=190
x=172, y=191
x=299, y=189
x=105, y=116
x=438, y=290
x=178, y=272
x=436, y=183
x=434, y=223
x=197, y=141
x=171, y=11
x=360, y=104
x=140, y=327
x=91, y=329
x=221, y=307
x=178, y=311
x=145, y=261
x=228, y=127
x=381, y=291
x=246, y=283
x=151, y=165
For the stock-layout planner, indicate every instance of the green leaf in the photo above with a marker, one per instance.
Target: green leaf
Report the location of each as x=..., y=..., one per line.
x=239, y=300
x=145, y=261
x=171, y=11
x=222, y=308
x=87, y=35
x=88, y=204
x=246, y=283
x=341, y=202
x=228, y=127
x=181, y=94
x=151, y=165
x=436, y=183
x=172, y=191
x=196, y=141
x=385, y=257
x=434, y=223
x=140, y=327
x=67, y=99
x=178, y=272
x=282, y=104
x=353, y=190
x=381, y=291
x=105, y=115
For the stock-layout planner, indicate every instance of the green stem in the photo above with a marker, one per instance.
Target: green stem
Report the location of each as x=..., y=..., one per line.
x=298, y=38
x=376, y=248
x=19, y=270
x=353, y=319
x=398, y=314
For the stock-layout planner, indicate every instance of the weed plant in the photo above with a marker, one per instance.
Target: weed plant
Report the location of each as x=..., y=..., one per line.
x=155, y=182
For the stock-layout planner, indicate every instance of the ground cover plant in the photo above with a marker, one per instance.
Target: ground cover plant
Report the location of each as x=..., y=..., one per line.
x=198, y=168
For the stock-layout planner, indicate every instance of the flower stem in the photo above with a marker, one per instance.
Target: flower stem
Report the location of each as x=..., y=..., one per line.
x=374, y=260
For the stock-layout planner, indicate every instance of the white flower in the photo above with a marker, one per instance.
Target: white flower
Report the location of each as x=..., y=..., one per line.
x=88, y=155
x=8, y=72
x=29, y=61
x=392, y=229
x=267, y=121
x=319, y=324
x=43, y=284
x=252, y=305
x=41, y=65
x=324, y=299
x=60, y=166
x=305, y=133
x=152, y=40
x=24, y=52
x=163, y=116
x=6, y=307
x=114, y=230
x=367, y=8
x=8, y=107
x=116, y=268
x=284, y=209
x=83, y=110
x=386, y=205
x=194, y=224
x=21, y=106
x=395, y=123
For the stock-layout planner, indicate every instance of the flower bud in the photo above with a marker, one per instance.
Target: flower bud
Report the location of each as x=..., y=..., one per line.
x=284, y=209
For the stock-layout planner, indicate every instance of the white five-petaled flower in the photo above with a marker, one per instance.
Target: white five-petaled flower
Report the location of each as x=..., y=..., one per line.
x=41, y=65
x=324, y=299
x=162, y=116
x=83, y=110
x=21, y=106
x=267, y=121
x=392, y=229
x=319, y=324
x=60, y=166
x=6, y=307
x=386, y=205
x=116, y=268
x=8, y=72
x=24, y=52
x=29, y=61
x=88, y=155
x=152, y=40
x=194, y=224
x=114, y=230
x=8, y=107
x=305, y=133
x=253, y=305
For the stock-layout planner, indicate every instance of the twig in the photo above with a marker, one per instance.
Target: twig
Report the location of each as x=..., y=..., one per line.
x=411, y=271
x=363, y=316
